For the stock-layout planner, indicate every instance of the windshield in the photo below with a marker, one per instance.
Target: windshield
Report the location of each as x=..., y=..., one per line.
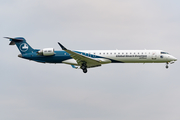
x=164, y=53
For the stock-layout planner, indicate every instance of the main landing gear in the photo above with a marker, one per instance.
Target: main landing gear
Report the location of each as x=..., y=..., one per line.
x=84, y=67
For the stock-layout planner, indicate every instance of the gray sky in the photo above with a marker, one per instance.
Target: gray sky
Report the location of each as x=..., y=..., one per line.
x=30, y=90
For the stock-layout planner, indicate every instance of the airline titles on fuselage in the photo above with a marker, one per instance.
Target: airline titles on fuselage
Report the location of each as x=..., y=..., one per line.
x=140, y=56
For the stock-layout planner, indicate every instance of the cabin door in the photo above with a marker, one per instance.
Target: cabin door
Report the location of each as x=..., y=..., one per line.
x=154, y=56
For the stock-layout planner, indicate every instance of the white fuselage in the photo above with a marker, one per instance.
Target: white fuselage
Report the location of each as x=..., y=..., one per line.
x=131, y=56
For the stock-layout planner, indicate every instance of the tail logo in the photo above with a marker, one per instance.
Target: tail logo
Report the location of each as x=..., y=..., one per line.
x=24, y=47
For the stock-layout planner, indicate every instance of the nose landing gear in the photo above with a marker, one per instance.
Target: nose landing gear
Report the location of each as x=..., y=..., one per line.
x=167, y=65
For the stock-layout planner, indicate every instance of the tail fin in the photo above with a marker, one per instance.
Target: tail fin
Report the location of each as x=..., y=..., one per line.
x=21, y=44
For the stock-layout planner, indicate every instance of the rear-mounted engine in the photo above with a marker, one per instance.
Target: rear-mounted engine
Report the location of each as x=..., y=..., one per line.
x=46, y=52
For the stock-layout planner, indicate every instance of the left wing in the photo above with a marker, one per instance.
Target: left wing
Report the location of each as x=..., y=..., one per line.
x=81, y=59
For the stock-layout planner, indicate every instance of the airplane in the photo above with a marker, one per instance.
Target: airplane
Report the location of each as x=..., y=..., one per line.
x=83, y=59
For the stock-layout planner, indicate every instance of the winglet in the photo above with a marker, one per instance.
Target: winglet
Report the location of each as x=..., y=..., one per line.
x=63, y=48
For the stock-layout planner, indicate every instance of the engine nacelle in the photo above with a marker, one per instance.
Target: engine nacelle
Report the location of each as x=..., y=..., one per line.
x=46, y=52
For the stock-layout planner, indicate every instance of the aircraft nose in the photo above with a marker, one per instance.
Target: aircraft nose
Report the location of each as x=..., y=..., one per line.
x=174, y=59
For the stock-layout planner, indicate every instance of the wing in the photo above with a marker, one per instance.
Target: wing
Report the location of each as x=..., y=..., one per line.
x=81, y=59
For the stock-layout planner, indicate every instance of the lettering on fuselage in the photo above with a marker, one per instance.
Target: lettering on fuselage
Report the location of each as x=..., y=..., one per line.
x=139, y=56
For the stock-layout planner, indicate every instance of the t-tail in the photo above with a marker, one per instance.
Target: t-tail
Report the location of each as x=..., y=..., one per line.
x=21, y=44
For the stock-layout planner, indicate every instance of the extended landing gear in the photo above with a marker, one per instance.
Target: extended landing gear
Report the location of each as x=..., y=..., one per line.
x=85, y=70
x=84, y=67
x=167, y=65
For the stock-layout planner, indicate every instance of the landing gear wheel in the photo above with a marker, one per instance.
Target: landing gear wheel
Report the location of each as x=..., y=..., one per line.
x=83, y=67
x=167, y=66
x=85, y=70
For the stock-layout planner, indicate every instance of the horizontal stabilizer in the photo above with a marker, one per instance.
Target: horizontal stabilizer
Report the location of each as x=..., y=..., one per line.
x=13, y=39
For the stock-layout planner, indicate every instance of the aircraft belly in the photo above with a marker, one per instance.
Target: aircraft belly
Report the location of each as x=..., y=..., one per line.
x=50, y=59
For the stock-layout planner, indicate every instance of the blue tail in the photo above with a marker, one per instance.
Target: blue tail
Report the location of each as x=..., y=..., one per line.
x=21, y=44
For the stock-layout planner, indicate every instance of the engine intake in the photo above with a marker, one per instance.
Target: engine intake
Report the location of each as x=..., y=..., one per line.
x=46, y=52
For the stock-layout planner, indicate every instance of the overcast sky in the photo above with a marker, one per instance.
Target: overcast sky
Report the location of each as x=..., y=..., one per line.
x=34, y=91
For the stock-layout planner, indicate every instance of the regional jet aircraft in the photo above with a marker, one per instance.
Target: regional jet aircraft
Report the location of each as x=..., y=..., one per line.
x=84, y=59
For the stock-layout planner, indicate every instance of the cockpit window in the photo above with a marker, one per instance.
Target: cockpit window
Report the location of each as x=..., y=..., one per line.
x=164, y=53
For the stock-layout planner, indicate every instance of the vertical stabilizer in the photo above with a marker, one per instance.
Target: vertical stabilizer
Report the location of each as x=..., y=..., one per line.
x=21, y=44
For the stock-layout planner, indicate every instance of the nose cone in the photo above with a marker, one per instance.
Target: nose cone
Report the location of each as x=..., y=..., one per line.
x=173, y=58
